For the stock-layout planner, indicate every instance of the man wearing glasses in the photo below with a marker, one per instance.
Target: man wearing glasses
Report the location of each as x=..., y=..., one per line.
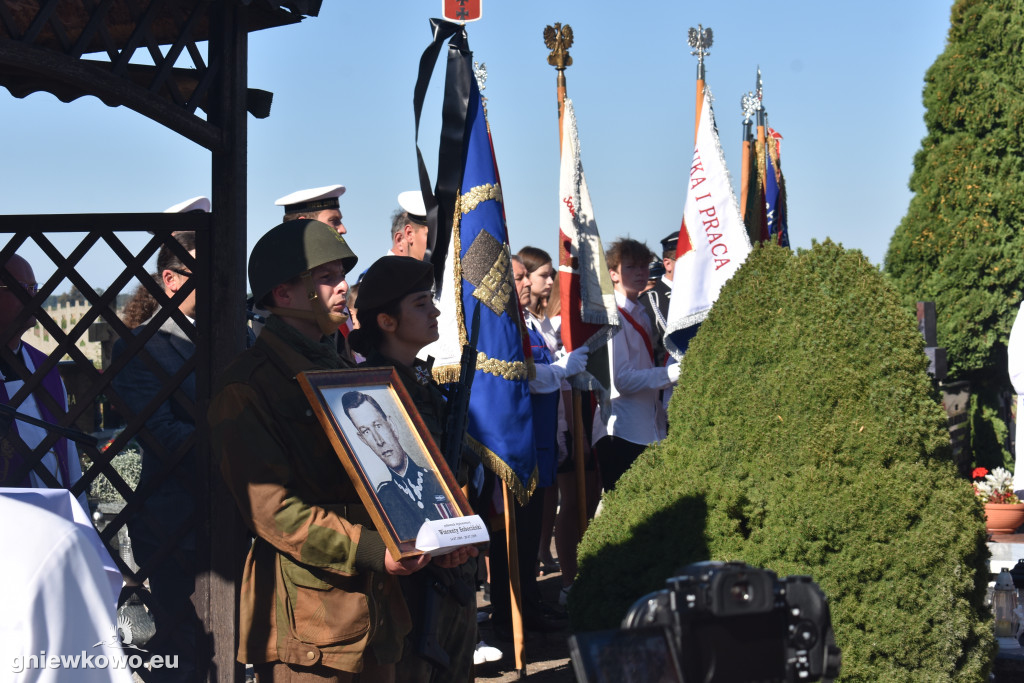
x=18, y=439
x=168, y=456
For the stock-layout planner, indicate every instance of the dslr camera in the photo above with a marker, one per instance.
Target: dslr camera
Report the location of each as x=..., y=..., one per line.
x=717, y=622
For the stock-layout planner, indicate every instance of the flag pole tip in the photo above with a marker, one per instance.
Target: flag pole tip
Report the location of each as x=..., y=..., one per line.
x=559, y=39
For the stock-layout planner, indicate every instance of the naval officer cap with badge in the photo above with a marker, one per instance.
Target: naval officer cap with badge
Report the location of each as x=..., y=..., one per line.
x=318, y=203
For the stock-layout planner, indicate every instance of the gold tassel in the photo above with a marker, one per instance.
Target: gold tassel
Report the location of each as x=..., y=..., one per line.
x=491, y=460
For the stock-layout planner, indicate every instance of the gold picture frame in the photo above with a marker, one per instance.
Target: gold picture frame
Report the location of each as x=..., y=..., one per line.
x=373, y=424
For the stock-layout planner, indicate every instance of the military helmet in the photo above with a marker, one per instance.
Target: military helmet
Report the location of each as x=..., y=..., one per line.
x=292, y=248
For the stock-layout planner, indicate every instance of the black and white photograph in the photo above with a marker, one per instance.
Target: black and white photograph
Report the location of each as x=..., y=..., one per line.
x=381, y=440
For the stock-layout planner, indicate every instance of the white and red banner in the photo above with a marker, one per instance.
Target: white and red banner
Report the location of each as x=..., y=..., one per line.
x=713, y=240
x=589, y=314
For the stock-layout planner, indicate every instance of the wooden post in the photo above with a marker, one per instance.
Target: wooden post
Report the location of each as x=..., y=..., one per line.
x=578, y=458
x=515, y=589
x=222, y=538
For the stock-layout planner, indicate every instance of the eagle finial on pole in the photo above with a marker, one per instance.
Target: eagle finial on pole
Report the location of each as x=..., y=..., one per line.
x=558, y=39
x=700, y=40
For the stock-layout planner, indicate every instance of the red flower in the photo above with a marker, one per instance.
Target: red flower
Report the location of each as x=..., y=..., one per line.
x=978, y=473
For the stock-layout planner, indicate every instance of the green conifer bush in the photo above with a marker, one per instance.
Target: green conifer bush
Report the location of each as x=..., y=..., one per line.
x=960, y=243
x=806, y=438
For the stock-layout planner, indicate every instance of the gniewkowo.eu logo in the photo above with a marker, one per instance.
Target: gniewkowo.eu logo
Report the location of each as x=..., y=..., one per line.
x=119, y=654
x=88, y=660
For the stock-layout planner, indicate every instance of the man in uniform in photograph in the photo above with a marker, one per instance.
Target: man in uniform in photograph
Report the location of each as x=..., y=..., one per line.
x=317, y=203
x=656, y=299
x=412, y=495
x=320, y=599
x=409, y=227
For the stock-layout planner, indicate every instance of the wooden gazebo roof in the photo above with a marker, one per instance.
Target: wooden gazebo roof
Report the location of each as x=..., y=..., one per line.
x=124, y=52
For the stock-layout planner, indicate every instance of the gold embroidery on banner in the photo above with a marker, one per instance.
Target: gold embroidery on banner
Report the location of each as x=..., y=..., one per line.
x=510, y=370
x=494, y=290
x=460, y=315
x=480, y=193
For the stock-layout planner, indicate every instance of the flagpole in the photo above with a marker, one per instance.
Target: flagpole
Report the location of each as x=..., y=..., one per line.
x=748, y=104
x=762, y=169
x=515, y=590
x=559, y=39
x=699, y=39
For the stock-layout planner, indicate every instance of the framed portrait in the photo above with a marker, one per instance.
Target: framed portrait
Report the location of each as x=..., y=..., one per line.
x=383, y=443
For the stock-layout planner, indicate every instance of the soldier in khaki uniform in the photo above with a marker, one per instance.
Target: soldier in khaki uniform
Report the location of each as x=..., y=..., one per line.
x=397, y=318
x=320, y=599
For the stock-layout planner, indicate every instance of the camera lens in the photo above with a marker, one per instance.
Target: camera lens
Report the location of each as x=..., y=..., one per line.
x=740, y=592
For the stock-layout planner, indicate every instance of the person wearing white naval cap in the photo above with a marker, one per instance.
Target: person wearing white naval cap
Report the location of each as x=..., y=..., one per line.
x=318, y=203
x=200, y=203
x=409, y=227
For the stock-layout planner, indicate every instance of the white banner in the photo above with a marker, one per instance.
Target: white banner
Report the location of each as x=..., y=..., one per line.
x=713, y=238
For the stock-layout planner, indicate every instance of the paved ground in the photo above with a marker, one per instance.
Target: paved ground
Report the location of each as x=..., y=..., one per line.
x=547, y=654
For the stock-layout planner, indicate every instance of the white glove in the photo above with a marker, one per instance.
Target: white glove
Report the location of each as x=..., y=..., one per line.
x=673, y=373
x=573, y=363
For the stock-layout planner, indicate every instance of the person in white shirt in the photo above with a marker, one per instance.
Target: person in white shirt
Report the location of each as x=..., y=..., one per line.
x=48, y=402
x=59, y=622
x=637, y=415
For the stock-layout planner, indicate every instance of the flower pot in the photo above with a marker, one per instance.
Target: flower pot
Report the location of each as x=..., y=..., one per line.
x=1003, y=518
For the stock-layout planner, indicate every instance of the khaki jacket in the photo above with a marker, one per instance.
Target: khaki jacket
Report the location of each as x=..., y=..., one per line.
x=314, y=588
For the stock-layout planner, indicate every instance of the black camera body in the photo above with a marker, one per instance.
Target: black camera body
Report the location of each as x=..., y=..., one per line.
x=732, y=622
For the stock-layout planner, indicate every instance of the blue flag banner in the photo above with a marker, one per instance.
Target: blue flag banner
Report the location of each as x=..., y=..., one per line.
x=479, y=266
x=501, y=417
x=775, y=193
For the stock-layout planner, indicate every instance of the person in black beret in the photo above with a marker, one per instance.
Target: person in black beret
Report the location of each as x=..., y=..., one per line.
x=397, y=318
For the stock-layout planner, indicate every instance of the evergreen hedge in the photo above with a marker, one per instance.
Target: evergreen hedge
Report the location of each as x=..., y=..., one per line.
x=806, y=437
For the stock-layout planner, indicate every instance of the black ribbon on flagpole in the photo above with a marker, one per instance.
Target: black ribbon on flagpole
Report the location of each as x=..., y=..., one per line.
x=440, y=202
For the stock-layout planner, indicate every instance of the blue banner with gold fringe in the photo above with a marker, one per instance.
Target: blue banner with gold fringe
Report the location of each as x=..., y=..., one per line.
x=473, y=272
x=500, y=425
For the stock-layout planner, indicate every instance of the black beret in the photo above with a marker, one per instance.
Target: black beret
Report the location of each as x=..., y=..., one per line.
x=390, y=278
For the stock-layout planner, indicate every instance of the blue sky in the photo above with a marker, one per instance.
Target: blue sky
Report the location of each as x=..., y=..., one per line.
x=842, y=83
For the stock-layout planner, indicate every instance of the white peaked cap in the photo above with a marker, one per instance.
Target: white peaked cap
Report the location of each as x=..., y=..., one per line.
x=194, y=204
x=412, y=203
x=313, y=199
